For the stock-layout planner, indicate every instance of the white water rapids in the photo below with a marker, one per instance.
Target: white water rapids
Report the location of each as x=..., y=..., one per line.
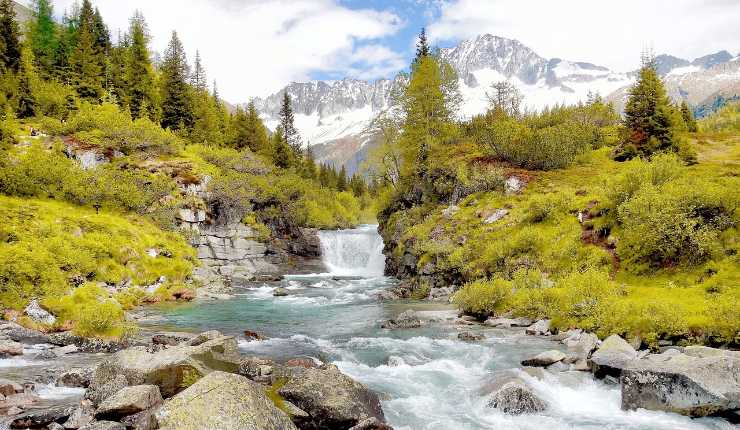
x=357, y=252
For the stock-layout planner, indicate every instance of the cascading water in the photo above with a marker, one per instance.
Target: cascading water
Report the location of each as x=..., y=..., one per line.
x=356, y=252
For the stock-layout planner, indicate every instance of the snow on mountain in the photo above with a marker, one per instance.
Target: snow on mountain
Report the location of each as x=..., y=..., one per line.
x=333, y=116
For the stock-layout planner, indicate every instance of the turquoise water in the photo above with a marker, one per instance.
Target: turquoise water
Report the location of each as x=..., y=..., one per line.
x=427, y=378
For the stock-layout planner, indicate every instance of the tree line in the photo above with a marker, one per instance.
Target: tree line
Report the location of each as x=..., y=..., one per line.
x=49, y=68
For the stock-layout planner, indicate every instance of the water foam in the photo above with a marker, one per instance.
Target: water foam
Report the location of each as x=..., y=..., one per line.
x=355, y=252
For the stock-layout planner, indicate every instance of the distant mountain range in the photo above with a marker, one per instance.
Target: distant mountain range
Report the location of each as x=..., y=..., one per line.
x=334, y=115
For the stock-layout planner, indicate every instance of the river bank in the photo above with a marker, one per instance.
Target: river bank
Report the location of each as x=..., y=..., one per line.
x=441, y=373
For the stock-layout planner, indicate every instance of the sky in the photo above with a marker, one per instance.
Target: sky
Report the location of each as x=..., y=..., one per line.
x=253, y=48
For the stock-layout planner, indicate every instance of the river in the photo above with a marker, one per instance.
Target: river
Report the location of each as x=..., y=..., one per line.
x=427, y=378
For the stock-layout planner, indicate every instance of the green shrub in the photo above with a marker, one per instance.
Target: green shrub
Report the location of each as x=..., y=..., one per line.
x=91, y=311
x=483, y=297
x=584, y=300
x=542, y=207
x=725, y=120
x=106, y=127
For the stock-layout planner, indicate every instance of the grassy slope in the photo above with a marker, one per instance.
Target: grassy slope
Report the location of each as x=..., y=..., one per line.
x=677, y=298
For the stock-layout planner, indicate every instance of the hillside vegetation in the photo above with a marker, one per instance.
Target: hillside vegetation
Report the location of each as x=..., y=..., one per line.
x=100, y=151
x=614, y=226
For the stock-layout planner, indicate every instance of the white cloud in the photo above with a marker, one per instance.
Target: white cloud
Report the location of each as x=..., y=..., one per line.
x=255, y=47
x=611, y=34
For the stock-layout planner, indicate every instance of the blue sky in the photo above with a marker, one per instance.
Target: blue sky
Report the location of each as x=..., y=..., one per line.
x=256, y=47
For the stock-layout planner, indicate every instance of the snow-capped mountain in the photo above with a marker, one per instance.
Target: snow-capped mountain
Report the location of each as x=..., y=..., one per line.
x=333, y=116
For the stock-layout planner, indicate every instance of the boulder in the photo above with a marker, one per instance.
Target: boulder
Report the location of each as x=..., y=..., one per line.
x=169, y=368
x=371, y=424
x=129, y=401
x=470, y=336
x=103, y=425
x=8, y=388
x=19, y=333
x=701, y=383
x=41, y=417
x=253, y=335
x=81, y=415
x=613, y=355
x=581, y=345
x=75, y=378
x=10, y=348
x=38, y=314
x=496, y=216
x=171, y=338
x=144, y=420
x=222, y=401
x=257, y=369
x=279, y=292
x=407, y=319
x=332, y=399
x=514, y=185
x=515, y=398
x=540, y=328
x=544, y=359
x=84, y=344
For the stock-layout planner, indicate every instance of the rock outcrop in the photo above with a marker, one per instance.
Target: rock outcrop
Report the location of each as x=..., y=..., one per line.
x=544, y=359
x=509, y=393
x=222, y=401
x=331, y=398
x=612, y=356
x=129, y=401
x=698, y=382
x=169, y=369
x=407, y=319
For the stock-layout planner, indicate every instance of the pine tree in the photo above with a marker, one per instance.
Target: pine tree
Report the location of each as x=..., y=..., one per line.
x=342, y=179
x=177, y=109
x=287, y=121
x=67, y=40
x=206, y=124
x=199, y=80
x=142, y=96
x=87, y=60
x=25, y=100
x=43, y=37
x=422, y=46
x=10, y=44
x=309, y=164
x=648, y=116
x=283, y=155
x=118, y=85
x=101, y=35
x=688, y=117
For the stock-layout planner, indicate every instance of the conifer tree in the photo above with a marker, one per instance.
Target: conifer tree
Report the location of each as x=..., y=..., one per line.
x=118, y=85
x=206, y=124
x=10, y=44
x=422, y=46
x=86, y=61
x=142, y=97
x=688, y=117
x=177, y=109
x=309, y=164
x=199, y=80
x=342, y=179
x=283, y=155
x=43, y=37
x=67, y=41
x=648, y=116
x=26, y=103
x=287, y=121
x=101, y=34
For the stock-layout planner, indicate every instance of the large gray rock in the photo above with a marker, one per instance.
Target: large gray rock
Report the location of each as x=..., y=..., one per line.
x=38, y=314
x=222, y=401
x=40, y=418
x=332, y=399
x=19, y=333
x=581, y=345
x=129, y=401
x=10, y=348
x=544, y=359
x=408, y=319
x=511, y=394
x=540, y=328
x=169, y=369
x=81, y=416
x=700, y=382
x=612, y=356
x=75, y=378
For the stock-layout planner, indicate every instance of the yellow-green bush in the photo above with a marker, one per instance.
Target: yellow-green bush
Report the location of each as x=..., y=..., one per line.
x=91, y=311
x=725, y=120
x=106, y=127
x=483, y=297
x=44, y=245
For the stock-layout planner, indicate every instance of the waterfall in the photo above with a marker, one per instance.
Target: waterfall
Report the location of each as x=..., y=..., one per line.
x=355, y=252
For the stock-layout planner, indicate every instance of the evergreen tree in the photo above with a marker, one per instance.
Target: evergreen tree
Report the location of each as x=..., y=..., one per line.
x=357, y=185
x=688, y=117
x=206, y=124
x=648, y=116
x=140, y=80
x=43, y=37
x=422, y=46
x=283, y=155
x=67, y=40
x=118, y=85
x=309, y=164
x=101, y=35
x=87, y=60
x=342, y=179
x=10, y=44
x=199, y=80
x=177, y=109
x=287, y=121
